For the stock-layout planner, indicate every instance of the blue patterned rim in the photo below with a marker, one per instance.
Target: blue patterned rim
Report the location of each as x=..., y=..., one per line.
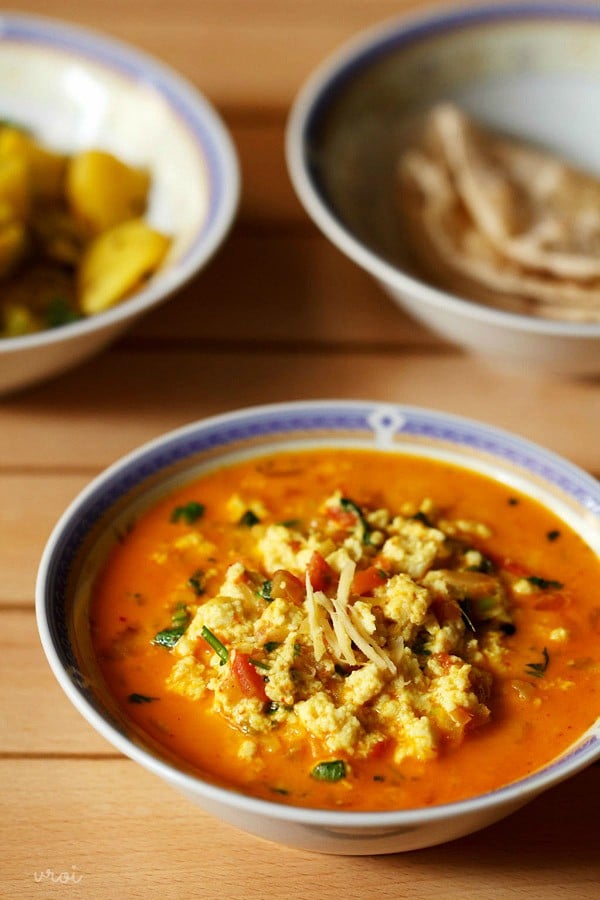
x=374, y=424
x=198, y=116
x=402, y=34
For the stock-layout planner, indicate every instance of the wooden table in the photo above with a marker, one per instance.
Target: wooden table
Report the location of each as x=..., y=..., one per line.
x=279, y=314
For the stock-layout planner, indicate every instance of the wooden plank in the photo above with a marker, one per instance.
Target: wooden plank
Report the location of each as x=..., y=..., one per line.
x=269, y=47
x=116, y=829
x=158, y=391
x=37, y=717
x=31, y=505
x=284, y=289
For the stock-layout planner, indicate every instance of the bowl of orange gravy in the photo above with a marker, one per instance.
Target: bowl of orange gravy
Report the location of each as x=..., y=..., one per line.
x=345, y=626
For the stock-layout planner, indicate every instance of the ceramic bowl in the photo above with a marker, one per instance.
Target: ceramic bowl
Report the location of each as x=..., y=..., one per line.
x=88, y=529
x=524, y=68
x=77, y=90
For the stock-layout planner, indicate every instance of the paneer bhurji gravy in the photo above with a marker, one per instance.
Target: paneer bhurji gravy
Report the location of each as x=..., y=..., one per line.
x=352, y=629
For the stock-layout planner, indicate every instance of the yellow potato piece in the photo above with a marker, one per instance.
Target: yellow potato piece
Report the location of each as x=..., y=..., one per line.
x=15, y=191
x=46, y=169
x=102, y=191
x=116, y=262
x=13, y=244
x=18, y=320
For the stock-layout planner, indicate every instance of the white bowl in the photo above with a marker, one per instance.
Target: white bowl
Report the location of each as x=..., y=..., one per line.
x=532, y=69
x=77, y=90
x=83, y=537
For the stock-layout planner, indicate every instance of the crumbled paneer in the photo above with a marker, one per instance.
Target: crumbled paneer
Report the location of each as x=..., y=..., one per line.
x=359, y=627
x=404, y=602
x=336, y=726
x=412, y=547
x=188, y=677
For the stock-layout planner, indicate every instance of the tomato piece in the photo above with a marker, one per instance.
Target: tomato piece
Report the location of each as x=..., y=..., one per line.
x=366, y=580
x=551, y=602
x=446, y=610
x=345, y=518
x=514, y=568
x=287, y=587
x=251, y=682
x=320, y=573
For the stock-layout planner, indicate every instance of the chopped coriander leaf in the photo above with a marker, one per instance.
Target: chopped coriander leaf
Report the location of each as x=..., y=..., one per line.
x=421, y=517
x=140, y=698
x=538, y=669
x=553, y=535
x=264, y=590
x=258, y=664
x=169, y=636
x=271, y=645
x=485, y=565
x=197, y=582
x=59, y=312
x=181, y=616
x=332, y=770
x=249, y=519
x=189, y=513
x=544, y=583
x=351, y=506
x=216, y=644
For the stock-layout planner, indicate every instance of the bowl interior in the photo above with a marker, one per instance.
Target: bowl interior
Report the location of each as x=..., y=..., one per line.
x=525, y=69
x=83, y=538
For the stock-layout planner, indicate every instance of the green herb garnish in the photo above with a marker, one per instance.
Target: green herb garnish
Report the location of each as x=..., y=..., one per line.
x=538, y=669
x=544, y=583
x=249, y=519
x=189, y=513
x=271, y=645
x=59, y=312
x=421, y=517
x=264, y=590
x=169, y=636
x=197, y=582
x=181, y=616
x=219, y=648
x=332, y=770
x=351, y=506
x=258, y=664
x=140, y=698
x=419, y=647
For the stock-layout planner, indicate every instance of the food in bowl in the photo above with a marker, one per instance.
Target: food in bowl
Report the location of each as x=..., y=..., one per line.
x=521, y=70
x=500, y=221
x=352, y=629
x=76, y=90
x=73, y=239
x=140, y=495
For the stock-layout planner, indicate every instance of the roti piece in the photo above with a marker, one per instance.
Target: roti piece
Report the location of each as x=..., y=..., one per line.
x=485, y=218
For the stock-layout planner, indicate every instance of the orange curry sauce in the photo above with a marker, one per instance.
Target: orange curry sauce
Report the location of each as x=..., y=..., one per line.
x=534, y=716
